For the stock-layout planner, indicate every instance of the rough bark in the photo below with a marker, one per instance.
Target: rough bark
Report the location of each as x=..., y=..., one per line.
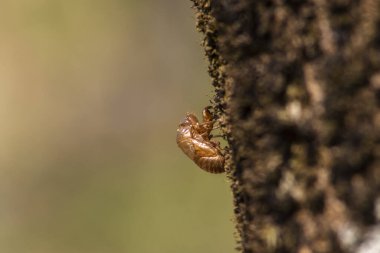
x=298, y=95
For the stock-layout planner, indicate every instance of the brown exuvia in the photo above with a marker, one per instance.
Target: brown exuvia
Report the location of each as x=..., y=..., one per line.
x=194, y=140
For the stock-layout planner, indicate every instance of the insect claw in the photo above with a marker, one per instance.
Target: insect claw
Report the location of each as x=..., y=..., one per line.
x=216, y=143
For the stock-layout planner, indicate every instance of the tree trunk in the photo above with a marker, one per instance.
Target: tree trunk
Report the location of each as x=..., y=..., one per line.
x=297, y=93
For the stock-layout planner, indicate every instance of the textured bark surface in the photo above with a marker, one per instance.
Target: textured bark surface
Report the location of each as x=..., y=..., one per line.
x=298, y=96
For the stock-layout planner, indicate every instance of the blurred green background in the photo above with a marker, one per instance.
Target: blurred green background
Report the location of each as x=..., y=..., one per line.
x=91, y=93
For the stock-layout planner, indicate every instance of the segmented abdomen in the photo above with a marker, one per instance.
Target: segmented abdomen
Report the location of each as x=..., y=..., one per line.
x=213, y=164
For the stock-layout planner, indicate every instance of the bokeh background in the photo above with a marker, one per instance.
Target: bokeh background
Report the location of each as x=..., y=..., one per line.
x=91, y=93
